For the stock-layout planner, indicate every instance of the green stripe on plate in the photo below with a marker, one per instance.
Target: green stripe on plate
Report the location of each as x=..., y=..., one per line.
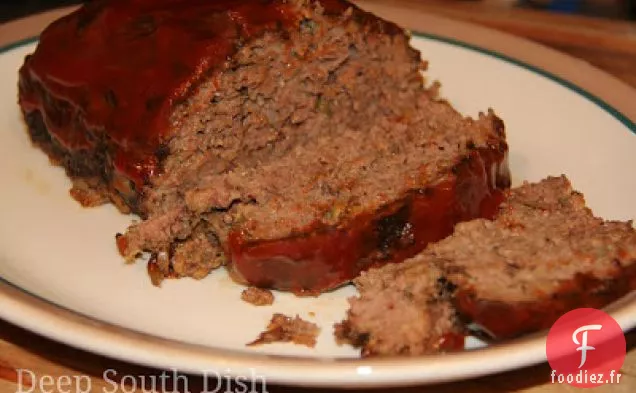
x=13, y=45
x=599, y=102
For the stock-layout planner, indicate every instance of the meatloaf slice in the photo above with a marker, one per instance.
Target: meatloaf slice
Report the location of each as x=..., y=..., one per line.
x=543, y=255
x=403, y=309
x=294, y=139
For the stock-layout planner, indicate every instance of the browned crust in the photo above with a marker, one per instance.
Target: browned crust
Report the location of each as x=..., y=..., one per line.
x=346, y=334
x=88, y=174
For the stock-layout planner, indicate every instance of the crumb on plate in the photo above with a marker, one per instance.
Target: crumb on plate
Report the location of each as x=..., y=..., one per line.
x=258, y=296
x=286, y=329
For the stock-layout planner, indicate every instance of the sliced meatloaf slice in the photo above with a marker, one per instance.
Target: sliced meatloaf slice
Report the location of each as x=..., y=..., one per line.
x=544, y=254
x=293, y=139
x=403, y=309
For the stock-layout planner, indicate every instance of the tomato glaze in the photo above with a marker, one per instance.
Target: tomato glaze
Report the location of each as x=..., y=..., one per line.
x=119, y=67
x=583, y=290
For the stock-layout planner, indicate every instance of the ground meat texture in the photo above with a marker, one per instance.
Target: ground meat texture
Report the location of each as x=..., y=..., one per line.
x=401, y=314
x=286, y=329
x=258, y=296
x=544, y=254
x=293, y=140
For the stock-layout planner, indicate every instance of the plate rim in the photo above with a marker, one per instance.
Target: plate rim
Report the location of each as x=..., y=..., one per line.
x=37, y=314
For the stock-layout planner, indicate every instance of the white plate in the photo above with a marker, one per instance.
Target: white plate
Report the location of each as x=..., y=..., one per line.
x=62, y=277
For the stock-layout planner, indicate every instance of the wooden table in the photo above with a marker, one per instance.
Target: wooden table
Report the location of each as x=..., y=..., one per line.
x=609, y=45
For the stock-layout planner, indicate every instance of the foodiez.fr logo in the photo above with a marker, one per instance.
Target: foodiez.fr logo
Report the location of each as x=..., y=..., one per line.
x=586, y=348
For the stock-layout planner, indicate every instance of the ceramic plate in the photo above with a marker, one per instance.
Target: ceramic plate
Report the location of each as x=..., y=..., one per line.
x=62, y=277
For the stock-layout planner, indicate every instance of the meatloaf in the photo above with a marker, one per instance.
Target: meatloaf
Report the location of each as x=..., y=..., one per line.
x=293, y=140
x=403, y=309
x=544, y=254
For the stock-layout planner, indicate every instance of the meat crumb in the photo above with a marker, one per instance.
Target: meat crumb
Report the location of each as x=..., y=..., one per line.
x=87, y=196
x=258, y=296
x=286, y=329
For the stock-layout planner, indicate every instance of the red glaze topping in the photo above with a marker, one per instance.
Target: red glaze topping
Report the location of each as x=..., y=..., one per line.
x=452, y=342
x=528, y=317
x=324, y=258
x=121, y=65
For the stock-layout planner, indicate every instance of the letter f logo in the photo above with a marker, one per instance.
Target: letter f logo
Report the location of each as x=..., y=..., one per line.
x=583, y=344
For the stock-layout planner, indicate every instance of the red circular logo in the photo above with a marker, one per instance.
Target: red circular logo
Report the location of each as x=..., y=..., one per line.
x=586, y=348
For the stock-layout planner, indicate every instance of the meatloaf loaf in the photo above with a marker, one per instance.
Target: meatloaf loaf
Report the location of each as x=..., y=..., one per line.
x=294, y=140
x=543, y=255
